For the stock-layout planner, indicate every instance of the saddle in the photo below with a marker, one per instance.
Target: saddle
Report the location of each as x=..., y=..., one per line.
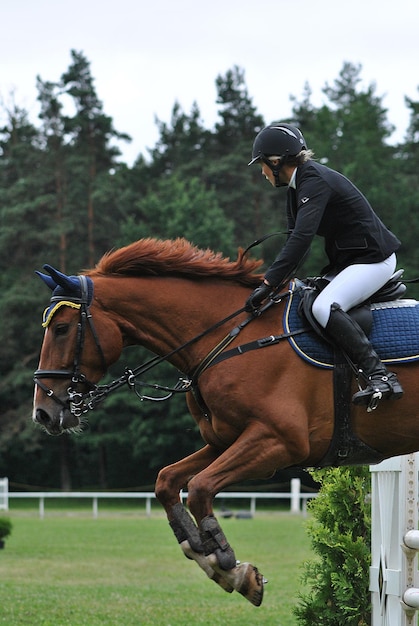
x=390, y=322
x=364, y=314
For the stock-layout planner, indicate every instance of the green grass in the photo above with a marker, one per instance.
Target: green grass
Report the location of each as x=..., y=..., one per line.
x=125, y=570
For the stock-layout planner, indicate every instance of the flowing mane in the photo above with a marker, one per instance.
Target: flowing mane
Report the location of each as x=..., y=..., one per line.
x=155, y=257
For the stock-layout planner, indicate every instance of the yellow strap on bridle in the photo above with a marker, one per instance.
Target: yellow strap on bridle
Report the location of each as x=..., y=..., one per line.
x=51, y=310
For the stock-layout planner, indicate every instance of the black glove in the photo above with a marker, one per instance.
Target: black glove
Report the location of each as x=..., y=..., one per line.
x=257, y=296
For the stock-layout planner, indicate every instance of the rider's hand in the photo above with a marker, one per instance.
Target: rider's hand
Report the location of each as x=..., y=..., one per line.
x=257, y=297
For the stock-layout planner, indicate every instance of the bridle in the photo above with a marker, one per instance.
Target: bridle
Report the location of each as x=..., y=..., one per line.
x=79, y=403
x=75, y=401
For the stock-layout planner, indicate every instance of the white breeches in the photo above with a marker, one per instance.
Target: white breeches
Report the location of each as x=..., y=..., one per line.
x=352, y=286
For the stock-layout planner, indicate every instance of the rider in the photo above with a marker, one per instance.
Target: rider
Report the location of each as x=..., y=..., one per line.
x=360, y=249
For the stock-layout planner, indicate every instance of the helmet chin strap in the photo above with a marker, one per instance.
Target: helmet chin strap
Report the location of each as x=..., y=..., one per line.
x=275, y=170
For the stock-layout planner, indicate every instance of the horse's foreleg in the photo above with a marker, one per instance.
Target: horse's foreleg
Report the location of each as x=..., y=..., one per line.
x=255, y=453
x=189, y=538
x=172, y=478
x=170, y=481
x=211, y=550
x=243, y=577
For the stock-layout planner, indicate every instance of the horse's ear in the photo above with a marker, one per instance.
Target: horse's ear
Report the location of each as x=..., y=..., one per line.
x=50, y=282
x=69, y=283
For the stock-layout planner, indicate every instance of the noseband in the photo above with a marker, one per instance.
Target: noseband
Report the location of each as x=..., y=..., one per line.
x=76, y=402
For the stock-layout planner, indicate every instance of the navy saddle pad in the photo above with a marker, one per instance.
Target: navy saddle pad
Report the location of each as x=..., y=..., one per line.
x=394, y=334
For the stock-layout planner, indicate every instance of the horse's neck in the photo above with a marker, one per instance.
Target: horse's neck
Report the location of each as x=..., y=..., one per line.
x=164, y=313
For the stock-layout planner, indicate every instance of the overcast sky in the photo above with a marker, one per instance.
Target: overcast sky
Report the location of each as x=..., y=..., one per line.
x=147, y=54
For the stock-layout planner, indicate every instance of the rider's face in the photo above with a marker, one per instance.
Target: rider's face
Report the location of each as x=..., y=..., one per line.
x=268, y=174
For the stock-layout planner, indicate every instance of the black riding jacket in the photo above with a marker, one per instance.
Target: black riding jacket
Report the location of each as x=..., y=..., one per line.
x=326, y=203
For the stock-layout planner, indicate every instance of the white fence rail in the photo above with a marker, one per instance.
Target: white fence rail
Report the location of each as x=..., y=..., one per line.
x=4, y=494
x=297, y=498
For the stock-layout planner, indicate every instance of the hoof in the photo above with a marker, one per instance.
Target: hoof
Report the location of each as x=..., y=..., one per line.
x=245, y=578
x=251, y=585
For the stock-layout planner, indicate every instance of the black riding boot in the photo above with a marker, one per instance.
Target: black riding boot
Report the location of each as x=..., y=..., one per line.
x=350, y=337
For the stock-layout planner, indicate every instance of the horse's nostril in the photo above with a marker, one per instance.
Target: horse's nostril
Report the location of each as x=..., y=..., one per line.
x=48, y=422
x=42, y=417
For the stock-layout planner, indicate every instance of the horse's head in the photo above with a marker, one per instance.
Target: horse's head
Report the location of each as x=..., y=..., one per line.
x=76, y=351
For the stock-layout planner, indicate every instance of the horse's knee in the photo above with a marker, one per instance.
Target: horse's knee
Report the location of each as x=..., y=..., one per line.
x=165, y=485
x=200, y=497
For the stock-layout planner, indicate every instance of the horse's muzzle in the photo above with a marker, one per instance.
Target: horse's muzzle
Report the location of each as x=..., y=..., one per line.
x=56, y=425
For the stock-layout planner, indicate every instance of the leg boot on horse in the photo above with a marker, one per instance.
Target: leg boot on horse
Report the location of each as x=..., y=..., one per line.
x=209, y=547
x=189, y=540
x=349, y=336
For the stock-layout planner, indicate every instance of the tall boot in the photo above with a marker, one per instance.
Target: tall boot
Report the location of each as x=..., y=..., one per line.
x=349, y=336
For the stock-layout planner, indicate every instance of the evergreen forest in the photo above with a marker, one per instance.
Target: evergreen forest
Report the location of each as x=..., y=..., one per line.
x=67, y=197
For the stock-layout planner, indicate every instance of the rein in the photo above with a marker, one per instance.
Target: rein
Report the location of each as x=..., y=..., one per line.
x=79, y=403
x=184, y=384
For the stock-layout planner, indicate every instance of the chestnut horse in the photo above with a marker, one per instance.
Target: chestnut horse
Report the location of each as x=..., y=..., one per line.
x=258, y=412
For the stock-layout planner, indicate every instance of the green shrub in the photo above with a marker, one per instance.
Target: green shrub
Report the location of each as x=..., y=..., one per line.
x=340, y=531
x=5, y=527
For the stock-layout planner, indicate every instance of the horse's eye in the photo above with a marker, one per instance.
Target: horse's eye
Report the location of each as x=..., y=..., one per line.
x=61, y=329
